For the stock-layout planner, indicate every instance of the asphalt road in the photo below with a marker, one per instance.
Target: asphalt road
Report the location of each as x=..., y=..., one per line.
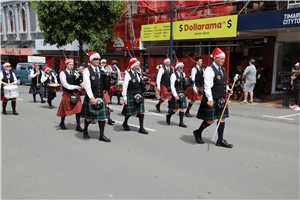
x=40, y=161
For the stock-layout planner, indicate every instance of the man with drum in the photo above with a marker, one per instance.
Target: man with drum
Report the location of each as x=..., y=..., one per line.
x=71, y=102
x=163, y=83
x=48, y=79
x=195, y=91
x=7, y=77
x=36, y=75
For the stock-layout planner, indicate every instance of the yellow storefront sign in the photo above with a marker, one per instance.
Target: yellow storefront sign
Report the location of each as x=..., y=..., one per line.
x=217, y=27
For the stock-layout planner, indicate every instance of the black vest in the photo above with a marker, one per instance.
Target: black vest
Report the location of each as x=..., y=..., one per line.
x=33, y=80
x=199, y=77
x=70, y=80
x=219, y=88
x=50, y=79
x=5, y=79
x=179, y=83
x=165, y=79
x=133, y=85
x=96, y=83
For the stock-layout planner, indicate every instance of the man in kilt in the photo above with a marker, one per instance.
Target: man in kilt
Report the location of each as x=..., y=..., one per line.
x=46, y=80
x=133, y=86
x=95, y=82
x=163, y=83
x=7, y=77
x=36, y=75
x=215, y=89
x=195, y=91
x=178, y=85
x=66, y=107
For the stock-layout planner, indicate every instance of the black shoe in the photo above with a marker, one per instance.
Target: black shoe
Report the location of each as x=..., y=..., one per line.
x=126, y=127
x=111, y=110
x=62, y=126
x=50, y=107
x=198, y=137
x=4, y=112
x=86, y=135
x=34, y=101
x=187, y=114
x=157, y=107
x=43, y=101
x=142, y=130
x=93, y=121
x=119, y=103
x=168, y=119
x=105, y=139
x=224, y=143
x=78, y=128
x=138, y=115
x=110, y=121
x=182, y=125
x=15, y=113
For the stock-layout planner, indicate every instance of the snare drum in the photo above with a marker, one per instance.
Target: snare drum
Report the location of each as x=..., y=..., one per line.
x=54, y=86
x=119, y=86
x=10, y=91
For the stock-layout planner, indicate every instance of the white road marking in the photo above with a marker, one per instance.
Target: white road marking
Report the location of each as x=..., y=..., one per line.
x=19, y=99
x=276, y=117
x=149, y=129
x=290, y=115
x=149, y=113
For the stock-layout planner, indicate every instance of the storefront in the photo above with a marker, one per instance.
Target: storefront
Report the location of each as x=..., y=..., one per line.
x=13, y=56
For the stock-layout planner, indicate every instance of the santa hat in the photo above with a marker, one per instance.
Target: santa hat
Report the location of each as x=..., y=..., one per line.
x=114, y=62
x=103, y=60
x=217, y=53
x=134, y=58
x=297, y=65
x=5, y=64
x=35, y=64
x=46, y=67
x=166, y=60
x=178, y=64
x=132, y=64
x=68, y=60
x=93, y=55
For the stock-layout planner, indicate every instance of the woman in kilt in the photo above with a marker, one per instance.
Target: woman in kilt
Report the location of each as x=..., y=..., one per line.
x=194, y=92
x=95, y=82
x=132, y=86
x=177, y=86
x=7, y=77
x=36, y=75
x=49, y=78
x=66, y=107
x=215, y=88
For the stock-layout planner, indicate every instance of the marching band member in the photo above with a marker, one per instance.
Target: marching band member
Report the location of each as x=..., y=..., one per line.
x=94, y=82
x=133, y=89
x=7, y=77
x=177, y=87
x=70, y=92
x=215, y=89
x=163, y=83
x=115, y=68
x=195, y=92
x=36, y=75
x=46, y=80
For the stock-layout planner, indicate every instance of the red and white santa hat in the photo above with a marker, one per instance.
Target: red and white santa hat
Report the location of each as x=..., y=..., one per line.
x=6, y=63
x=46, y=67
x=132, y=64
x=93, y=55
x=179, y=64
x=103, y=60
x=68, y=60
x=217, y=53
x=166, y=60
x=35, y=64
x=297, y=64
x=134, y=58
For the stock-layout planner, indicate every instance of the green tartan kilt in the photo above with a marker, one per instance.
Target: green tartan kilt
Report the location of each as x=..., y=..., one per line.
x=207, y=113
x=132, y=108
x=34, y=90
x=174, y=104
x=88, y=110
x=49, y=93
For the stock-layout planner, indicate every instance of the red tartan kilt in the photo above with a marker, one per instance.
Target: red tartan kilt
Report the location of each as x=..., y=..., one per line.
x=191, y=95
x=106, y=96
x=164, y=94
x=5, y=99
x=66, y=108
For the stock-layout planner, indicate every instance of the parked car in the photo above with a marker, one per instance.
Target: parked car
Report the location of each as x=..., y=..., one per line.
x=23, y=72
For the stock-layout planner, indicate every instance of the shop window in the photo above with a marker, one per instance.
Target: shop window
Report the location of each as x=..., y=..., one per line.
x=11, y=21
x=23, y=20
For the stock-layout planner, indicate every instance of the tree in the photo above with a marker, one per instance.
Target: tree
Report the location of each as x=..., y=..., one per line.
x=90, y=22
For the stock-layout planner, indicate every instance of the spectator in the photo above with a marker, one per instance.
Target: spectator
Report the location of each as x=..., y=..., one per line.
x=259, y=83
x=295, y=85
x=250, y=76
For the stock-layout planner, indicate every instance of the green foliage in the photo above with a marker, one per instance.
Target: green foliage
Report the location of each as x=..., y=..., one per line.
x=90, y=22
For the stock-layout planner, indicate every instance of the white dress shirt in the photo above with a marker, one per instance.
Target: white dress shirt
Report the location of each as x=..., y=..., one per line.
x=15, y=78
x=159, y=75
x=209, y=76
x=127, y=78
x=193, y=75
x=43, y=79
x=87, y=80
x=173, y=79
x=63, y=80
x=33, y=75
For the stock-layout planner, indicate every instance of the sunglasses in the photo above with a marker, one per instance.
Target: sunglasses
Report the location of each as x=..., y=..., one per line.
x=96, y=58
x=180, y=67
x=103, y=62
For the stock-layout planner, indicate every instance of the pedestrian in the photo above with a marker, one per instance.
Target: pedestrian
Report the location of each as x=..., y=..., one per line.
x=294, y=70
x=7, y=77
x=47, y=80
x=71, y=102
x=178, y=100
x=250, y=77
x=195, y=91
x=213, y=101
x=95, y=82
x=36, y=75
x=296, y=84
x=259, y=83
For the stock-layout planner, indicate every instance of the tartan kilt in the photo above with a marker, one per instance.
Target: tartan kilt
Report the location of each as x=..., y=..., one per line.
x=106, y=96
x=5, y=99
x=66, y=108
x=174, y=104
x=164, y=94
x=132, y=108
x=190, y=94
x=49, y=93
x=33, y=90
x=88, y=111
x=207, y=113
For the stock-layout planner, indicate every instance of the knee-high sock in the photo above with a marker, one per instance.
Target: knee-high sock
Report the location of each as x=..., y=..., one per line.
x=41, y=97
x=86, y=124
x=108, y=113
x=4, y=105
x=203, y=126
x=34, y=95
x=101, y=127
x=181, y=116
x=160, y=101
x=77, y=119
x=141, y=119
x=118, y=97
x=62, y=120
x=50, y=101
x=13, y=105
x=169, y=109
x=221, y=131
x=126, y=119
x=189, y=107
